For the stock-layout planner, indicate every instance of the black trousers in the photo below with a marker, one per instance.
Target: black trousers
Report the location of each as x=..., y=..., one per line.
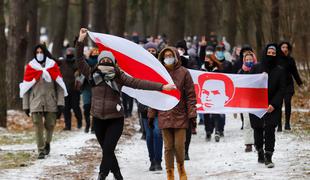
x=265, y=136
x=188, y=137
x=128, y=104
x=214, y=121
x=288, y=109
x=72, y=101
x=108, y=133
x=87, y=108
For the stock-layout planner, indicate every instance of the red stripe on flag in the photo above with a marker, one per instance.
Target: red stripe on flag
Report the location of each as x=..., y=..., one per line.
x=137, y=69
x=249, y=98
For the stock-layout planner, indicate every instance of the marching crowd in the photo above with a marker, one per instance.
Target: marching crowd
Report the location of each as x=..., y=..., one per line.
x=98, y=78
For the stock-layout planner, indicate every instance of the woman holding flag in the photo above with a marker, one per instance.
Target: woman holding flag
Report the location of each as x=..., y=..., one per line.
x=107, y=80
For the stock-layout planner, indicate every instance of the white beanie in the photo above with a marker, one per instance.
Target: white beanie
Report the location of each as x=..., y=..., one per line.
x=106, y=54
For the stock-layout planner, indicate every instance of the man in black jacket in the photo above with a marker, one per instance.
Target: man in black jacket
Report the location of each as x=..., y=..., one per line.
x=289, y=65
x=264, y=130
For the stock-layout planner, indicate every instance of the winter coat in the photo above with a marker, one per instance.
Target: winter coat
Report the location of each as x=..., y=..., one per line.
x=69, y=73
x=106, y=102
x=276, y=91
x=44, y=97
x=179, y=116
x=289, y=65
x=226, y=66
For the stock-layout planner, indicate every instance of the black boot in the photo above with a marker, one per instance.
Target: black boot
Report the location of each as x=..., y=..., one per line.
x=158, y=166
x=101, y=176
x=208, y=137
x=41, y=155
x=152, y=167
x=118, y=175
x=186, y=157
x=287, y=126
x=260, y=154
x=268, y=160
x=47, y=148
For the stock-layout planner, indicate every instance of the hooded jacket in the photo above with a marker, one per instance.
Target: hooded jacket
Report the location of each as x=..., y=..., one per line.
x=179, y=116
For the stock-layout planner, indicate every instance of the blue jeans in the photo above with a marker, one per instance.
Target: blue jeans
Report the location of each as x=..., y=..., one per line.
x=154, y=140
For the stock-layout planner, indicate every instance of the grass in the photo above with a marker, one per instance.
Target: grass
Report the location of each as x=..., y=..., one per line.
x=9, y=160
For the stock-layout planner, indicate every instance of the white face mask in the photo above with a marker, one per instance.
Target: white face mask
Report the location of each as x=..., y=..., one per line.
x=169, y=61
x=40, y=57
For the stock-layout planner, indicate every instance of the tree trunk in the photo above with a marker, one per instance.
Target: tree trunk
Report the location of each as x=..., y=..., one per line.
x=231, y=30
x=209, y=18
x=119, y=17
x=17, y=46
x=244, y=20
x=32, y=28
x=61, y=16
x=3, y=103
x=176, y=19
x=100, y=16
x=275, y=21
x=258, y=19
x=84, y=14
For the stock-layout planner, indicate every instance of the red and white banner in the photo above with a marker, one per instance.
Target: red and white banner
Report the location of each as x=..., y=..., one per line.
x=231, y=93
x=136, y=62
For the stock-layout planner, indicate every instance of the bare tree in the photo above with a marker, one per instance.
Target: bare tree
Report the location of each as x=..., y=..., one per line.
x=17, y=45
x=84, y=14
x=32, y=27
x=100, y=16
x=61, y=16
x=119, y=8
x=258, y=19
x=275, y=20
x=3, y=103
x=176, y=25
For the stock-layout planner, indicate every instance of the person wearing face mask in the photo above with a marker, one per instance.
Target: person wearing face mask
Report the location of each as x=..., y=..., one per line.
x=249, y=60
x=72, y=101
x=107, y=80
x=182, y=49
x=43, y=92
x=154, y=140
x=86, y=90
x=288, y=63
x=264, y=129
x=174, y=122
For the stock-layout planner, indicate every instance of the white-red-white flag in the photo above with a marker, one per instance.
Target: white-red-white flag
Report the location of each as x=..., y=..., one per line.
x=135, y=61
x=231, y=93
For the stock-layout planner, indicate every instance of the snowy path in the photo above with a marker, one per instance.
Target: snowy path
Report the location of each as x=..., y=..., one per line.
x=223, y=160
x=57, y=157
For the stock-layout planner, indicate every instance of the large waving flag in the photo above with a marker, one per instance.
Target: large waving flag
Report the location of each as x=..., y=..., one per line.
x=231, y=93
x=136, y=62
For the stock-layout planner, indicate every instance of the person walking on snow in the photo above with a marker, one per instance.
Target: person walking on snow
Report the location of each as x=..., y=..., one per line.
x=43, y=91
x=107, y=79
x=174, y=122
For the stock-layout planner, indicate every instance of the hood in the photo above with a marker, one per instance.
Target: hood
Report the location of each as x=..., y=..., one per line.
x=288, y=45
x=176, y=55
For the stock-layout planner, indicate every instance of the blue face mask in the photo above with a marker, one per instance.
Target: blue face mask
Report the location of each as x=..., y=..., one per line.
x=92, y=61
x=249, y=64
x=219, y=55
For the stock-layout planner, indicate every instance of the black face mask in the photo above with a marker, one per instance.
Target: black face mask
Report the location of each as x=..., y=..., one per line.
x=70, y=57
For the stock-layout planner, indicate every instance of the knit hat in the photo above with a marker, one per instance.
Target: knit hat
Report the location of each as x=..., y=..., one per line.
x=106, y=54
x=150, y=45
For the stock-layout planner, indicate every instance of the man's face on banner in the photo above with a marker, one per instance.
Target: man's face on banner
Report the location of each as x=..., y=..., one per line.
x=213, y=94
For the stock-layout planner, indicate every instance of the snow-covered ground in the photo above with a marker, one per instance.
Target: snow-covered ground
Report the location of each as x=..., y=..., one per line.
x=209, y=160
x=223, y=160
x=59, y=150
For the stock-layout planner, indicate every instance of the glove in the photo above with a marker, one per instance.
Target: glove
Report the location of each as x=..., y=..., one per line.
x=151, y=123
x=59, y=112
x=194, y=122
x=27, y=112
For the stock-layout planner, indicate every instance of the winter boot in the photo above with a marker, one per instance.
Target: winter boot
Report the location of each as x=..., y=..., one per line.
x=41, y=155
x=101, y=176
x=47, y=148
x=287, y=126
x=248, y=148
x=186, y=157
x=217, y=137
x=158, y=166
x=118, y=175
x=268, y=159
x=279, y=128
x=260, y=154
x=181, y=171
x=208, y=137
x=170, y=174
x=152, y=167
